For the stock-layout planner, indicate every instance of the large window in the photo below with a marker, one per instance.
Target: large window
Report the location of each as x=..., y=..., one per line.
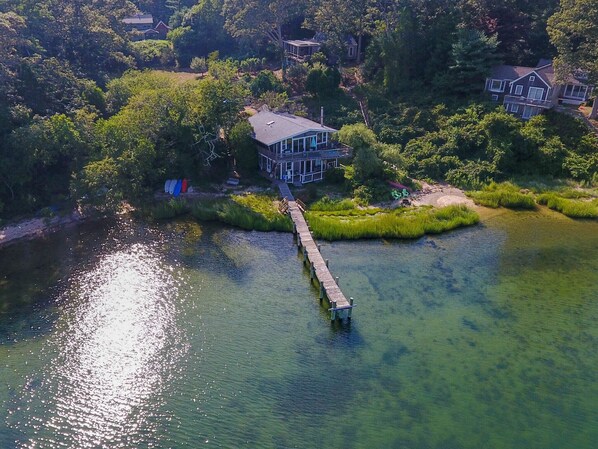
x=497, y=85
x=576, y=91
x=535, y=93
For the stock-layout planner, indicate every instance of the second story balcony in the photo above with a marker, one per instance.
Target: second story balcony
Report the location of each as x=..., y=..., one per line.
x=331, y=150
x=512, y=99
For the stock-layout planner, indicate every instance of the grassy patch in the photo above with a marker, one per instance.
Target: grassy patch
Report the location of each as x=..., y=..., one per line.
x=251, y=212
x=328, y=204
x=399, y=223
x=571, y=207
x=502, y=195
x=175, y=207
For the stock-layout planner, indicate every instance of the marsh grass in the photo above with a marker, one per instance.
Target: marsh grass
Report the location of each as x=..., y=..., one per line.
x=251, y=212
x=328, y=204
x=570, y=206
x=175, y=207
x=502, y=195
x=400, y=223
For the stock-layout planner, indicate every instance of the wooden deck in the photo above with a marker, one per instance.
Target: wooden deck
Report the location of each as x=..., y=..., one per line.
x=340, y=306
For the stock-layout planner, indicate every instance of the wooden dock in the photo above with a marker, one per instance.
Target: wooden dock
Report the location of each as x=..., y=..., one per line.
x=340, y=306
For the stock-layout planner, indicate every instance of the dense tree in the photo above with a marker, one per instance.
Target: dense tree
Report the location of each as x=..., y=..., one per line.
x=574, y=32
x=201, y=32
x=261, y=18
x=472, y=56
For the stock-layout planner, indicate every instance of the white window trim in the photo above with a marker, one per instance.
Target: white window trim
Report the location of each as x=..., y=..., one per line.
x=532, y=78
x=514, y=108
x=577, y=97
x=535, y=89
x=494, y=97
x=518, y=89
x=501, y=87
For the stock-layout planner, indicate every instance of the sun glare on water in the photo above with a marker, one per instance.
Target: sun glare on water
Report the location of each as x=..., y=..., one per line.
x=121, y=341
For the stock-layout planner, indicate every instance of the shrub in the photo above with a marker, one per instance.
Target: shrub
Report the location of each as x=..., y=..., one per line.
x=322, y=81
x=265, y=81
x=199, y=65
x=363, y=195
x=251, y=64
x=153, y=53
x=335, y=175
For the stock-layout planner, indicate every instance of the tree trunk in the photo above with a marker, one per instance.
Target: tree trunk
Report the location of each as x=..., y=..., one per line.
x=359, y=39
x=594, y=113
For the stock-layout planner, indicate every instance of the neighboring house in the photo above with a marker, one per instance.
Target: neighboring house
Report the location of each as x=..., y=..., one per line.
x=527, y=91
x=139, y=22
x=302, y=50
x=294, y=149
x=162, y=29
x=141, y=27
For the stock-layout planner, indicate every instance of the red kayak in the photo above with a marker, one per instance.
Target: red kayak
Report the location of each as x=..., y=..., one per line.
x=184, y=186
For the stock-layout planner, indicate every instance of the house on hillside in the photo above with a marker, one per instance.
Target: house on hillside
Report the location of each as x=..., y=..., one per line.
x=139, y=22
x=294, y=149
x=527, y=91
x=141, y=27
x=302, y=50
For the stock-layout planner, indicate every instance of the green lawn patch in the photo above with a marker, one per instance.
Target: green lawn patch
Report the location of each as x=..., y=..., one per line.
x=399, y=223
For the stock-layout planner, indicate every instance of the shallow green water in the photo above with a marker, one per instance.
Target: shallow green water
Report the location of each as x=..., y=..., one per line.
x=181, y=336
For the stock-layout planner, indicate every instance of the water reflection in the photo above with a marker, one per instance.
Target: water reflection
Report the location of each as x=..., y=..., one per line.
x=116, y=352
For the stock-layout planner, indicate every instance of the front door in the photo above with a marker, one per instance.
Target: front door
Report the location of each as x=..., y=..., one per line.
x=289, y=172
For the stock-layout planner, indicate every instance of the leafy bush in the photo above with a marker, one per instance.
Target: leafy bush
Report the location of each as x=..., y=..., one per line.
x=363, y=195
x=199, y=65
x=335, y=175
x=322, y=81
x=252, y=64
x=265, y=81
x=503, y=195
x=153, y=53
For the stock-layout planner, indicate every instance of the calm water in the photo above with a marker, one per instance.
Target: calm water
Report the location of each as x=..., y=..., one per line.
x=182, y=336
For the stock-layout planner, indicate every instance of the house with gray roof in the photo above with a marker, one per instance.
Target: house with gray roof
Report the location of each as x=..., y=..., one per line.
x=527, y=91
x=295, y=149
x=139, y=22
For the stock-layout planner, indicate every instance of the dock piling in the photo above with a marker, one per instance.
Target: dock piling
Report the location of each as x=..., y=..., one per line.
x=312, y=257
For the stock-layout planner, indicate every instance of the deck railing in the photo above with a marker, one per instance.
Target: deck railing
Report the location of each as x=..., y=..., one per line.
x=331, y=151
x=528, y=101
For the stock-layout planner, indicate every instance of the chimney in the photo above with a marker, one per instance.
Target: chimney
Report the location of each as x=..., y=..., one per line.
x=322, y=115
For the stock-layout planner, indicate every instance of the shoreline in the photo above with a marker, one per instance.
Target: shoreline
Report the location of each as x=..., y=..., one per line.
x=34, y=228
x=437, y=195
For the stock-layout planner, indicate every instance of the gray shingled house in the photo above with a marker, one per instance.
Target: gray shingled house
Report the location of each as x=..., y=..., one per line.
x=295, y=149
x=527, y=91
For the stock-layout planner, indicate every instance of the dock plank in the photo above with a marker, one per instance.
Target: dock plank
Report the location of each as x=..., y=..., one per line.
x=322, y=273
